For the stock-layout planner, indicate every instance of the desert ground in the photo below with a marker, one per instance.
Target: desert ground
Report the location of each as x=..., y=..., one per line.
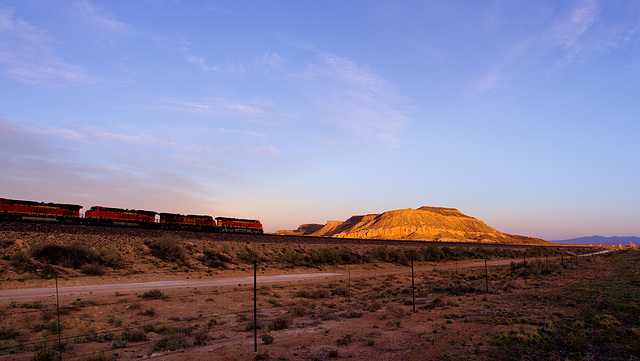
x=141, y=294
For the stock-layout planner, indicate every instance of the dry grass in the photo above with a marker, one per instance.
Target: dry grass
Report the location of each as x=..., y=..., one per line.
x=588, y=311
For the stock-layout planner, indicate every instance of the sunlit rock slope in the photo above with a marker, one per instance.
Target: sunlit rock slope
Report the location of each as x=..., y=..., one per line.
x=424, y=223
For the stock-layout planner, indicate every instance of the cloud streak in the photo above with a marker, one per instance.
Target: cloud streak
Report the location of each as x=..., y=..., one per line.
x=85, y=157
x=355, y=99
x=201, y=63
x=94, y=18
x=216, y=108
x=574, y=34
x=26, y=53
x=65, y=162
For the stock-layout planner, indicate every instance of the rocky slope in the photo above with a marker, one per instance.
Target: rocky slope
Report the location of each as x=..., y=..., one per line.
x=424, y=223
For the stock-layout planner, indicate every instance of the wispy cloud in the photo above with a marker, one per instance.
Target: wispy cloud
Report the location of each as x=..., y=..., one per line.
x=569, y=30
x=269, y=150
x=216, y=108
x=79, y=165
x=270, y=61
x=26, y=53
x=201, y=63
x=573, y=35
x=185, y=48
x=30, y=140
x=186, y=162
x=143, y=140
x=265, y=63
x=128, y=184
x=355, y=99
x=99, y=19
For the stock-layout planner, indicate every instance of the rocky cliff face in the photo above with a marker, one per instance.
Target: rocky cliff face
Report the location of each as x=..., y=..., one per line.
x=424, y=223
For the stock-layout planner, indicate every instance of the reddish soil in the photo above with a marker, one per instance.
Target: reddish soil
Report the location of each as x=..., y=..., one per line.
x=360, y=311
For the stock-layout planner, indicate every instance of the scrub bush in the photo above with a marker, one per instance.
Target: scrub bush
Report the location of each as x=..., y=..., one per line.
x=168, y=248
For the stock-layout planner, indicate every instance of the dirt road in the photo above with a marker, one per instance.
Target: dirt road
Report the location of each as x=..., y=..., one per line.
x=104, y=289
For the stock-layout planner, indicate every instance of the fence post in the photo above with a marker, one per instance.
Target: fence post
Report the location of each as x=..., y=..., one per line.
x=486, y=276
x=255, y=306
x=413, y=286
x=547, y=260
x=349, y=285
x=59, y=326
x=525, y=269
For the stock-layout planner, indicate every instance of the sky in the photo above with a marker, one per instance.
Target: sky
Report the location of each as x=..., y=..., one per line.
x=523, y=114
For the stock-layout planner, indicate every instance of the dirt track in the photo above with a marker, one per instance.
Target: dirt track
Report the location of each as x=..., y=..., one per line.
x=103, y=289
x=35, y=293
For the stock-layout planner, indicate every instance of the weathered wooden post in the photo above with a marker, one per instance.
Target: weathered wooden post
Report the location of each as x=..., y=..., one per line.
x=59, y=325
x=255, y=306
x=349, y=285
x=413, y=286
x=525, y=269
x=547, y=259
x=486, y=276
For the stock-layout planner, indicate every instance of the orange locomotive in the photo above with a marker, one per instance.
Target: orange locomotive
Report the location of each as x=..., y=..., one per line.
x=239, y=225
x=179, y=221
x=99, y=215
x=13, y=209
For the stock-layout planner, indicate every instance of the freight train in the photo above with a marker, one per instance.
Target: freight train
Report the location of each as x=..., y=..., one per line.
x=18, y=210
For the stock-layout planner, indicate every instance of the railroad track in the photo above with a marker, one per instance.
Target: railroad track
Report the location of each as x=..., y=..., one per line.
x=56, y=228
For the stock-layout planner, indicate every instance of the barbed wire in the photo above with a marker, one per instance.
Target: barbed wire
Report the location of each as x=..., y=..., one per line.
x=169, y=321
x=29, y=307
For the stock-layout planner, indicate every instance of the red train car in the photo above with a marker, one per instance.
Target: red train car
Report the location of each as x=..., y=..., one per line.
x=179, y=221
x=29, y=210
x=18, y=210
x=239, y=225
x=117, y=216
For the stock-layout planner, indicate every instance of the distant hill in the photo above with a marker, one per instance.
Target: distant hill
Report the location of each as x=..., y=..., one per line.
x=424, y=223
x=602, y=240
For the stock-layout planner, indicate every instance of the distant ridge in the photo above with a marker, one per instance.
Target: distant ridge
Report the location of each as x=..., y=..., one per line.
x=424, y=223
x=602, y=240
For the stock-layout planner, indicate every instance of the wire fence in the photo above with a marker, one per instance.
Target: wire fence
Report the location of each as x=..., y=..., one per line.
x=138, y=324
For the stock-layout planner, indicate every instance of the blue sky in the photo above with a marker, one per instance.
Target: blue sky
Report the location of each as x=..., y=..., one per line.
x=524, y=114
